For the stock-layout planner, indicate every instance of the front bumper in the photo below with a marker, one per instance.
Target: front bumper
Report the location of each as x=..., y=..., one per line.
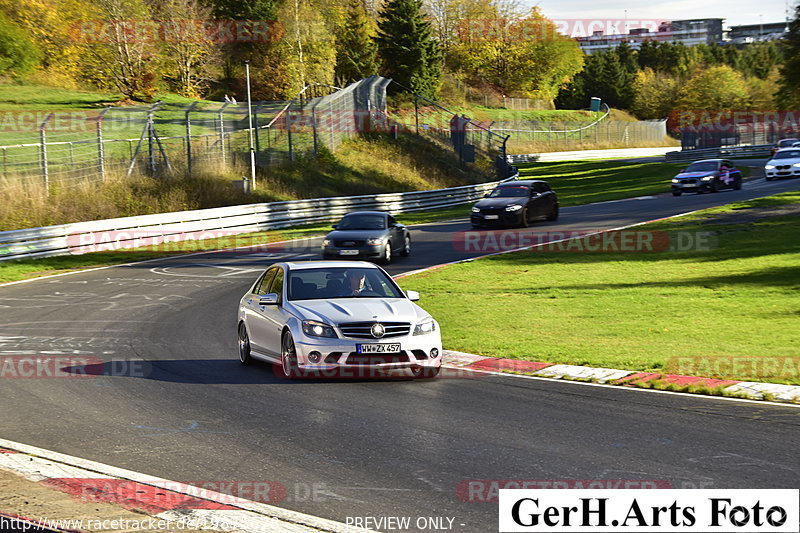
x=692, y=186
x=782, y=173
x=504, y=218
x=341, y=353
x=361, y=252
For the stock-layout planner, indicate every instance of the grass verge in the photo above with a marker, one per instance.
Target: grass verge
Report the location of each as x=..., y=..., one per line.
x=725, y=312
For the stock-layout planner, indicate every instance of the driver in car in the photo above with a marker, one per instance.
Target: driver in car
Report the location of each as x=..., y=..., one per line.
x=354, y=283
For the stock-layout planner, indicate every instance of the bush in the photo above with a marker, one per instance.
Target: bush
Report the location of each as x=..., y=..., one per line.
x=18, y=53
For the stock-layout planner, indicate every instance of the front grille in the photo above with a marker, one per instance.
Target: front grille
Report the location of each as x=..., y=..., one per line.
x=356, y=358
x=362, y=330
x=688, y=182
x=349, y=243
x=491, y=210
x=783, y=167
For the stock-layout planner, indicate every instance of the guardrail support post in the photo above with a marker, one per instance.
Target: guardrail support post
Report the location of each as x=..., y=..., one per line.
x=221, y=133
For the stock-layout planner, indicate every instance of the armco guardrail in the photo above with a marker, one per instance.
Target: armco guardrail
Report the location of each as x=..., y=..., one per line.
x=108, y=234
x=683, y=156
x=583, y=155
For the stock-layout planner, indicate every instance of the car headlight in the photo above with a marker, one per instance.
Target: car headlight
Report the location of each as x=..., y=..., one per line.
x=675, y=180
x=427, y=325
x=313, y=328
x=515, y=207
x=326, y=242
x=375, y=241
x=769, y=167
x=476, y=209
x=708, y=178
x=796, y=165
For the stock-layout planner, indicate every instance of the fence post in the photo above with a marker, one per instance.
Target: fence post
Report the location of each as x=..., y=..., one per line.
x=43, y=152
x=101, y=163
x=221, y=133
x=314, y=129
x=416, y=112
x=189, y=164
x=289, y=132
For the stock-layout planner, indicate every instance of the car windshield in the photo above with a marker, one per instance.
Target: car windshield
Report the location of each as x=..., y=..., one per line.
x=787, y=154
x=327, y=283
x=702, y=166
x=787, y=142
x=362, y=222
x=509, y=192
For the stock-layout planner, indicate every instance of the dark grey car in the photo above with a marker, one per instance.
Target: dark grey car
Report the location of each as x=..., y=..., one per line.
x=367, y=235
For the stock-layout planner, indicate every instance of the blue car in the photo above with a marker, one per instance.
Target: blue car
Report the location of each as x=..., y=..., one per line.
x=709, y=175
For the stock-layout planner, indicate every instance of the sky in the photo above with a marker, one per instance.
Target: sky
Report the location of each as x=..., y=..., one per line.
x=734, y=12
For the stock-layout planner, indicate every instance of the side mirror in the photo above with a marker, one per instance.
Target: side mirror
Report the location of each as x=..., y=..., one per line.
x=268, y=299
x=335, y=226
x=412, y=295
x=682, y=170
x=486, y=195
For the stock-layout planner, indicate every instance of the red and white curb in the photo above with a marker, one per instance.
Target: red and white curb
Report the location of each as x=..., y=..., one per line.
x=158, y=498
x=727, y=387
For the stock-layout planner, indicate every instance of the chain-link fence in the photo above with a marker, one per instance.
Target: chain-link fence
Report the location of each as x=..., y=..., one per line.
x=600, y=133
x=188, y=137
x=737, y=135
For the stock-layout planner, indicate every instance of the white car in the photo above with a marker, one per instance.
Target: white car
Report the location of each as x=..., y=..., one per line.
x=316, y=318
x=784, y=164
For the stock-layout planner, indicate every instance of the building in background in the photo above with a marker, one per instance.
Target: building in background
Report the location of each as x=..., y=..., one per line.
x=689, y=32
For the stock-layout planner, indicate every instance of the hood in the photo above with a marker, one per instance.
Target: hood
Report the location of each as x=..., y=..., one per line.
x=339, y=310
x=701, y=174
x=786, y=161
x=356, y=234
x=501, y=202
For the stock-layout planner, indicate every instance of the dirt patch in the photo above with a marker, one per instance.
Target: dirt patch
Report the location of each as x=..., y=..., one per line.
x=754, y=214
x=34, y=501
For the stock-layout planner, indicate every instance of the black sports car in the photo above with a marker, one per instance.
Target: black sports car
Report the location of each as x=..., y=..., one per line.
x=367, y=235
x=709, y=175
x=516, y=203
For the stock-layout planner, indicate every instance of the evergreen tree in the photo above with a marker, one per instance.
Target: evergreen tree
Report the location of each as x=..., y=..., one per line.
x=789, y=94
x=407, y=51
x=356, y=52
x=648, y=55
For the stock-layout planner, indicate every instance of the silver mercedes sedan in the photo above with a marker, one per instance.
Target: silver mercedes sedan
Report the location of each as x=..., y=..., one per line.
x=325, y=318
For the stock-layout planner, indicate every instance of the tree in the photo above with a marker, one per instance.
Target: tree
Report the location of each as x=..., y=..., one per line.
x=789, y=94
x=18, y=53
x=356, y=52
x=406, y=49
x=716, y=88
x=653, y=94
x=121, y=58
x=524, y=57
x=188, y=54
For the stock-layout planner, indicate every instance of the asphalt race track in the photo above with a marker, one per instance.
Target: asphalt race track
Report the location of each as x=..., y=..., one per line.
x=174, y=401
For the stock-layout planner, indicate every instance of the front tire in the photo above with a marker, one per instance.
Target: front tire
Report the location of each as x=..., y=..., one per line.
x=244, y=345
x=524, y=223
x=676, y=193
x=407, y=248
x=289, y=365
x=737, y=185
x=387, y=254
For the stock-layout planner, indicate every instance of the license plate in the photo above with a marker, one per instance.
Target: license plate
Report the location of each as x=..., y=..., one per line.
x=689, y=185
x=492, y=217
x=348, y=252
x=378, y=348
